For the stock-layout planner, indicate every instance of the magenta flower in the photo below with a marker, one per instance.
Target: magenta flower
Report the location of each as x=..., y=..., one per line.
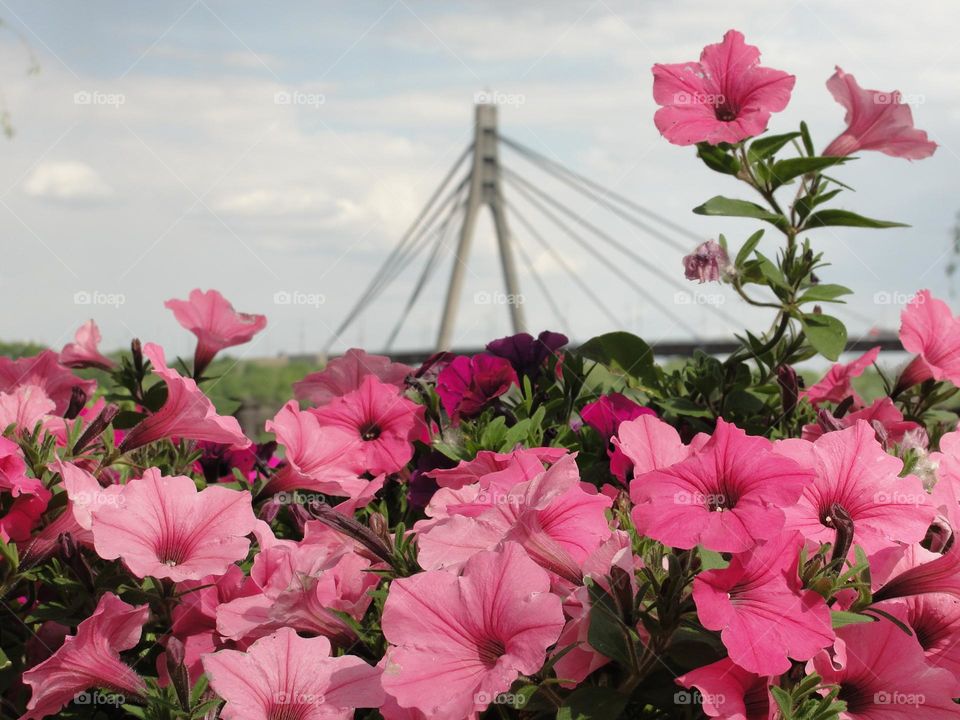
x=487, y=462
x=382, y=422
x=709, y=262
x=728, y=691
x=758, y=604
x=83, y=352
x=884, y=675
x=287, y=676
x=836, y=385
x=875, y=121
x=345, y=374
x=46, y=372
x=468, y=384
x=928, y=328
x=526, y=353
x=940, y=575
x=726, y=97
x=30, y=496
x=89, y=659
x=607, y=413
x=727, y=497
x=187, y=412
x=458, y=640
x=164, y=528
x=883, y=416
x=854, y=472
x=211, y=317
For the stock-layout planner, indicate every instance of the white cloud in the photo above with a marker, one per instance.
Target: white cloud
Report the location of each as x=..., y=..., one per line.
x=66, y=181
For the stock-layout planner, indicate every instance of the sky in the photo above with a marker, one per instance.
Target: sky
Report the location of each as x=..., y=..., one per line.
x=277, y=152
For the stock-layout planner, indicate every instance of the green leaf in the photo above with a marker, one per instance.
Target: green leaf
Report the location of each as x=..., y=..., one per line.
x=845, y=218
x=784, y=171
x=824, y=293
x=807, y=141
x=718, y=160
x=827, y=334
x=730, y=207
x=843, y=617
x=593, y=703
x=711, y=559
x=608, y=634
x=772, y=273
x=624, y=351
x=748, y=247
x=683, y=406
x=769, y=145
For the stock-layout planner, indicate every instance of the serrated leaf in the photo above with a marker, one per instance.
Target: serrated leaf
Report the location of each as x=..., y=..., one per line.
x=845, y=218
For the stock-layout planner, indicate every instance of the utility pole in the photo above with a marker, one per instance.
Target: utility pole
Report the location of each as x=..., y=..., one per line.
x=484, y=190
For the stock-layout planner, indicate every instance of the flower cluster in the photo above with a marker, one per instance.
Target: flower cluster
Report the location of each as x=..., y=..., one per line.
x=535, y=531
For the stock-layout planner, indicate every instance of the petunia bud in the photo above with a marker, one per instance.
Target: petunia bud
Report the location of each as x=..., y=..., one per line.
x=78, y=398
x=789, y=388
x=136, y=349
x=96, y=428
x=838, y=518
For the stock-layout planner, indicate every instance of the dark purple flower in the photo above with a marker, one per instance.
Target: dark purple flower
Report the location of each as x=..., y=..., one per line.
x=527, y=353
x=606, y=413
x=468, y=384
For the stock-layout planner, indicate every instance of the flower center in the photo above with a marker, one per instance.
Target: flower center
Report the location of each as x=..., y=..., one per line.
x=725, y=113
x=370, y=431
x=490, y=650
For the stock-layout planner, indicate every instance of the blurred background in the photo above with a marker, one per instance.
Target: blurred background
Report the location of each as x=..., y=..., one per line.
x=279, y=152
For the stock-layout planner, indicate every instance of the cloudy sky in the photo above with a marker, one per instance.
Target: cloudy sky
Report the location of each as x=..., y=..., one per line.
x=263, y=149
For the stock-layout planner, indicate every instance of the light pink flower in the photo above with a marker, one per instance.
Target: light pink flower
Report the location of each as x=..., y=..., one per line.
x=487, y=462
x=875, y=121
x=928, y=328
x=164, y=528
x=26, y=407
x=708, y=262
x=835, y=386
x=726, y=97
x=287, y=676
x=91, y=658
x=854, y=472
x=383, y=422
x=46, y=372
x=83, y=352
x=730, y=692
x=884, y=675
x=210, y=317
x=187, y=412
x=345, y=374
x=727, y=496
x=758, y=604
x=643, y=444
x=458, y=640
x=85, y=493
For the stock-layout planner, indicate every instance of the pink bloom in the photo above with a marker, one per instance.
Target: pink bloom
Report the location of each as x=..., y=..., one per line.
x=709, y=262
x=164, y=528
x=854, y=472
x=758, y=604
x=210, y=317
x=883, y=675
x=30, y=496
x=83, y=352
x=875, y=121
x=928, y=328
x=468, y=384
x=26, y=407
x=726, y=97
x=607, y=413
x=287, y=676
x=883, y=416
x=458, y=640
x=187, y=412
x=85, y=492
x=728, y=691
x=381, y=421
x=345, y=374
x=91, y=658
x=726, y=497
x=46, y=372
x=643, y=444
x=488, y=462
x=835, y=386
x=940, y=575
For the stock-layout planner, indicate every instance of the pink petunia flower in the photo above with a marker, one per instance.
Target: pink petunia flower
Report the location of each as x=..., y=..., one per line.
x=187, y=412
x=487, y=462
x=85, y=492
x=727, y=496
x=287, y=676
x=708, y=262
x=28, y=406
x=345, y=374
x=210, y=317
x=606, y=413
x=643, y=444
x=91, y=658
x=728, y=691
x=458, y=640
x=382, y=422
x=875, y=121
x=928, y=328
x=83, y=352
x=30, y=495
x=854, y=472
x=836, y=386
x=941, y=574
x=726, y=97
x=165, y=528
x=883, y=416
x=884, y=675
x=758, y=604
x=469, y=384
x=46, y=372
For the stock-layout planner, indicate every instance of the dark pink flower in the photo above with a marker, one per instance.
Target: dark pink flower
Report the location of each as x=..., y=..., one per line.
x=30, y=495
x=526, y=353
x=290, y=677
x=875, y=121
x=607, y=412
x=939, y=575
x=468, y=384
x=727, y=496
x=210, y=317
x=883, y=416
x=458, y=640
x=345, y=374
x=709, y=262
x=46, y=372
x=163, y=527
x=89, y=659
x=928, y=328
x=728, y=691
x=726, y=97
x=487, y=462
x=83, y=352
x=187, y=412
x=835, y=386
